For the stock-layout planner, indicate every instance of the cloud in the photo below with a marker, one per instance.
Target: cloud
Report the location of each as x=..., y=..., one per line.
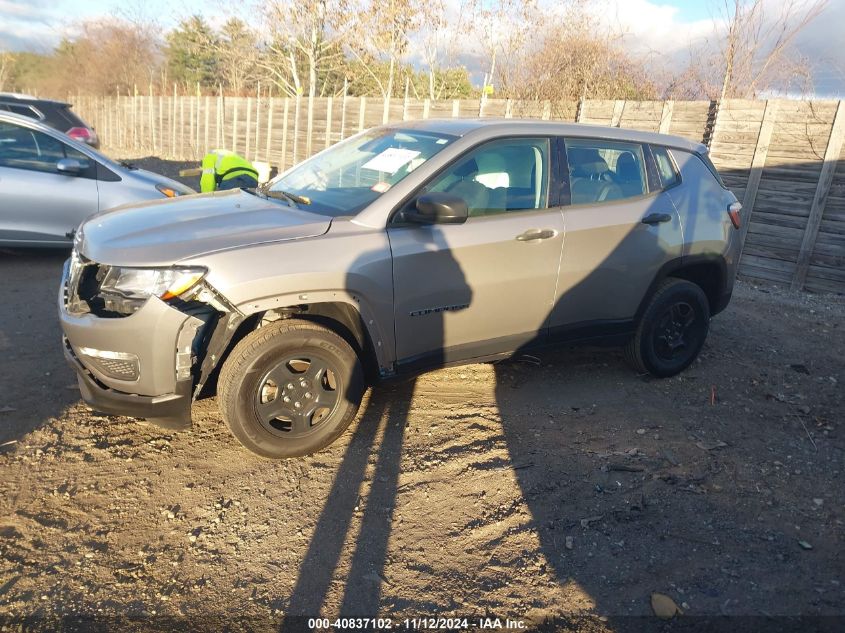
x=29, y=25
x=648, y=26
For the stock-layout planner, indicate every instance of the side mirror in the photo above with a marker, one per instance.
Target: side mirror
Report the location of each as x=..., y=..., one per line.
x=69, y=166
x=438, y=208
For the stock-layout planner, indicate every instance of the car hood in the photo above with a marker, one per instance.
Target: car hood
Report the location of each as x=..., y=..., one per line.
x=164, y=232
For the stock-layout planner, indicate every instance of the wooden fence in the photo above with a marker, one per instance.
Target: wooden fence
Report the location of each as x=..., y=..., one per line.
x=783, y=159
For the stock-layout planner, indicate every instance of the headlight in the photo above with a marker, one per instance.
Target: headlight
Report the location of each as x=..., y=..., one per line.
x=124, y=290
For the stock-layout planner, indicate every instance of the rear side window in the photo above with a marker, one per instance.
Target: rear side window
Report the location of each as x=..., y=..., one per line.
x=22, y=148
x=601, y=170
x=23, y=110
x=669, y=176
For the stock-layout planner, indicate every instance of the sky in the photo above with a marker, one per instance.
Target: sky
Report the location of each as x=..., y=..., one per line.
x=648, y=25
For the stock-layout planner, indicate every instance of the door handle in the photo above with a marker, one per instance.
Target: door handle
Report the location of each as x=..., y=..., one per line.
x=536, y=234
x=657, y=218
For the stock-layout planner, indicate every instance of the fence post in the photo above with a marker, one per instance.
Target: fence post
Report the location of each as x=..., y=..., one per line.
x=811, y=231
x=328, y=122
x=343, y=111
x=508, y=108
x=257, y=121
x=582, y=106
x=666, y=116
x=235, y=126
x=182, y=129
x=309, y=131
x=618, y=109
x=152, y=120
x=456, y=108
x=405, y=102
x=362, y=103
x=161, y=123
x=296, y=110
x=426, y=108
x=207, y=122
x=191, y=124
x=197, y=127
x=173, y=123
x=218, y=127
x=758, y=161
x=285, y=135
x=135, y=118
x=385, y=114
x=247, y=131
x=547, y=110
x=269, y=141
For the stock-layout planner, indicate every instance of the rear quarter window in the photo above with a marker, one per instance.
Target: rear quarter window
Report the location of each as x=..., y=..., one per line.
x=666, y=168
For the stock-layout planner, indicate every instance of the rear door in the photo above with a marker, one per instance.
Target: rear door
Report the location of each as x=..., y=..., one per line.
x=486, y=286
x=620, y=229
x=38, y=204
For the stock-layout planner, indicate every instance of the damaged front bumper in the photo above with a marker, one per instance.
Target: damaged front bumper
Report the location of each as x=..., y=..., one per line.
x=143, y=365
x=170, y=411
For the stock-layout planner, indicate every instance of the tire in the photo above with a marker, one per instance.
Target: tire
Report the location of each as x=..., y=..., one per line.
x=290, y=388
x=672, y=330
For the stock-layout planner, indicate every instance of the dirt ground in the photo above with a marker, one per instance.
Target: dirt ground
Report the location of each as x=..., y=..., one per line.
x=532, y=489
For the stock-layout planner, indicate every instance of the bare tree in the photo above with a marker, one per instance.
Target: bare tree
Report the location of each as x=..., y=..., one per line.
x=381, y=35
x=236, y=51
x=571, y=55
x=502, y=27
x=440, y=25
x=115, y=53
x=304, y=38
x=7, y=62
x=756, y=47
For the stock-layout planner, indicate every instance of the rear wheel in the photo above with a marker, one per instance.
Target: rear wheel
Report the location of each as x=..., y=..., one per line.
x=672, y=330
x=290, y=388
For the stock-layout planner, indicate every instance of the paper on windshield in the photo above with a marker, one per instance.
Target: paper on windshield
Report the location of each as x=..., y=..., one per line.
x=391, y=160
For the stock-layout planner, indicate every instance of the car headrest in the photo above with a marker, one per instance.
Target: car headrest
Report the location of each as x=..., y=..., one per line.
x=585, y=162
x=627, y=167
x=491, y=163
x=466, y=169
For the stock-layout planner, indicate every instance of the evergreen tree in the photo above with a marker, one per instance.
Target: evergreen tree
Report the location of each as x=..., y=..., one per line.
x=191, y=53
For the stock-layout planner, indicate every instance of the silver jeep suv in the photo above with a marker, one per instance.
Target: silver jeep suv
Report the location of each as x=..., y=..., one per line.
x=405, y=247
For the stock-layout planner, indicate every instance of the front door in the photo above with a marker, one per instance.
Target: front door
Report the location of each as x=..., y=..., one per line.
x=40, y=205
x=486, y=286
x=619, y=232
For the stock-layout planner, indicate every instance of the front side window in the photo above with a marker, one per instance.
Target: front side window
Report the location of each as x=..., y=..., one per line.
x=23, y=148
x=601, y=170
x=352, y=174
x=501, y=176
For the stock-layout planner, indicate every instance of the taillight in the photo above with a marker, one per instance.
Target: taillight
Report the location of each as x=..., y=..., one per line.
x=80, y=134
x=733, y=213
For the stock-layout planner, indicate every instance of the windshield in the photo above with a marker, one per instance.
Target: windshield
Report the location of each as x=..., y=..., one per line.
x=350, y=175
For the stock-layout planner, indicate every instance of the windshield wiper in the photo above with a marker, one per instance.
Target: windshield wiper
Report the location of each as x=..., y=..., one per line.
x=277, y=193
x=128, y=165
x=285, y=195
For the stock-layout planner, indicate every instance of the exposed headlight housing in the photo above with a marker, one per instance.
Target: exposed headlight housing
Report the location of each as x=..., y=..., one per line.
x=125, y=290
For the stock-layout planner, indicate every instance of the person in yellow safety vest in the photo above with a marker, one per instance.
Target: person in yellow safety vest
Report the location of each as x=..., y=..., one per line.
x=222, y=169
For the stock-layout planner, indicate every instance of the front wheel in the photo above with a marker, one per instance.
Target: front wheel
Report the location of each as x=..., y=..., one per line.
x=672, y=330
x=290, y=388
